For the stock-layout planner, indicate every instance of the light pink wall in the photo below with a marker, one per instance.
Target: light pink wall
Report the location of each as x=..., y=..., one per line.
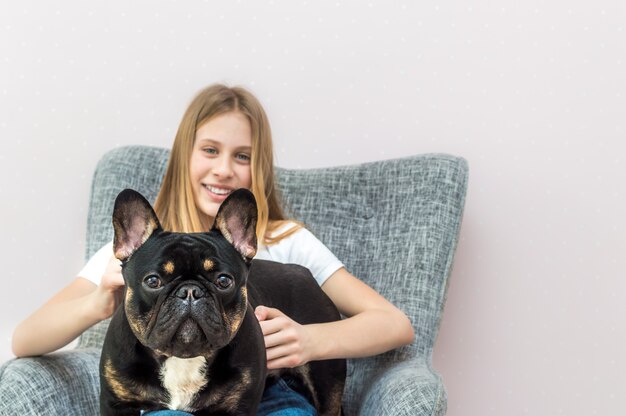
x=534, y=318
x=531, y=93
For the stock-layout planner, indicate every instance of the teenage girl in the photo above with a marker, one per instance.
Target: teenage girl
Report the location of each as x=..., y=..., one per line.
x=224, y=143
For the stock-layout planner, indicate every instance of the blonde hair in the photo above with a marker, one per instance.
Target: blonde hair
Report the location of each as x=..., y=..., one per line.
x=175, y=205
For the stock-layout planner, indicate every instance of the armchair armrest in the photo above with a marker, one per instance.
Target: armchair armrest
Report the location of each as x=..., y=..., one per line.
x=63, y=383
x=408, y=388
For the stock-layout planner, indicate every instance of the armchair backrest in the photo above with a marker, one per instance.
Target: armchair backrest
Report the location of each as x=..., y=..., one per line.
x=393, y=223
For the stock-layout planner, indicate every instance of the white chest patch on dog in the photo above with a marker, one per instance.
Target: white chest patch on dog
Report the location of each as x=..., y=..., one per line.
x=183, y=378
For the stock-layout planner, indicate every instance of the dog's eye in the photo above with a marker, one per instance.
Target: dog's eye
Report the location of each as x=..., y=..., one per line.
x=224, y=281
x=152, y=281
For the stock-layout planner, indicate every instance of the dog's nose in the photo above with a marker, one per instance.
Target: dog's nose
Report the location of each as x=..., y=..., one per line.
x=189, y=291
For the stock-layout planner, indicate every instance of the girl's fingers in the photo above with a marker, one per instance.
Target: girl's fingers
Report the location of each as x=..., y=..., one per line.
x=289, y=361
x=271, y=327
x=264, y=313
x=280, y=351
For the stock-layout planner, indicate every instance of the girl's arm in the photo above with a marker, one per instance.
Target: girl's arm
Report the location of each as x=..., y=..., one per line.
x=373, y=326
x=67, y=314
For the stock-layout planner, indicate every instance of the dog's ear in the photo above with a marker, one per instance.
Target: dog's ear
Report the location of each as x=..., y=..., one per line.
x=236, y=221
x=134, y=221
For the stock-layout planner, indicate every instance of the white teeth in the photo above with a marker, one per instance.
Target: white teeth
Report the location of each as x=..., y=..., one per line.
x=218, y=191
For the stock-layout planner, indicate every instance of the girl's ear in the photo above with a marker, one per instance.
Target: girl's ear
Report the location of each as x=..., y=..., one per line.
x=236, y=221
x=134, y=221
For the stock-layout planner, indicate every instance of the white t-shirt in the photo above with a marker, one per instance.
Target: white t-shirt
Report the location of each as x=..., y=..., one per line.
x=301, y=248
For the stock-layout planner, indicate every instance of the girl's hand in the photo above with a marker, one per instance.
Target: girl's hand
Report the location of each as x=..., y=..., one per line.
x=108, y=295
x=288, y=344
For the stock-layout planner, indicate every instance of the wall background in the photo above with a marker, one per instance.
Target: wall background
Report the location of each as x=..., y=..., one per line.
x=532, y=94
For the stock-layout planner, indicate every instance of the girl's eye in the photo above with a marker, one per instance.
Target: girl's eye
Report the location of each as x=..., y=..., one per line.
x=210, y=151
x=224, y=281
x=243, y=157
x=152, y=281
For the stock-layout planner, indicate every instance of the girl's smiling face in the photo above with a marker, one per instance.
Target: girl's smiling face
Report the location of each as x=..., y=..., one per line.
x=220, y=161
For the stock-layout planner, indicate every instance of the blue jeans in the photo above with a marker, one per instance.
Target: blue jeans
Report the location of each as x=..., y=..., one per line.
x=279, y=399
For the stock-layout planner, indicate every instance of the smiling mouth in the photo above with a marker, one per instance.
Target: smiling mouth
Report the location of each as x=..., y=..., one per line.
x=218, y=191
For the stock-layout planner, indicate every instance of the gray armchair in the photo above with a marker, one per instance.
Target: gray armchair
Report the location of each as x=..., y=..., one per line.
x=393, y=223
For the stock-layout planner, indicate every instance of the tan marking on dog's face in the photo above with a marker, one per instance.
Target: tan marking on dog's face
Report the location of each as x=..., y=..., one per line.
x=208, y=265
x=234, y=321
x=169, y=267
x=137, y=322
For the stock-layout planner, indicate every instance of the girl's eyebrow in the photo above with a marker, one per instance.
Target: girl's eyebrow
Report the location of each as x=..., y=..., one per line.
x=207, y=139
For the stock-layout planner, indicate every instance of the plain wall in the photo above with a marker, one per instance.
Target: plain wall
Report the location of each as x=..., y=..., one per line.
x=532, y=94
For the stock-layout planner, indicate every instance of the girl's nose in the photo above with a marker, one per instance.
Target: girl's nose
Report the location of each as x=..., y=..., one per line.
x=223, y=168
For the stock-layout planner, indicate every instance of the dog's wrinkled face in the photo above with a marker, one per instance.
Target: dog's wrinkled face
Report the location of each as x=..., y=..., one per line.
x=185, y=293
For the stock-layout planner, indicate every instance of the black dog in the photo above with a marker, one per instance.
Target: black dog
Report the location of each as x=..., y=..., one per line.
x=186, y=336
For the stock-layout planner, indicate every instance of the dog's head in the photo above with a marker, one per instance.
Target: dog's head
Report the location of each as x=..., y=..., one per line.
x=185, y=293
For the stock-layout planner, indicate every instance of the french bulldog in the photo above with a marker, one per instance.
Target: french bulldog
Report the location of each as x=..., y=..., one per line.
x=185, y=336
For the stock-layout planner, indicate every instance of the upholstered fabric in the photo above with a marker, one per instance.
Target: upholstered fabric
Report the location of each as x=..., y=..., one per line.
x=64, y=383
x=407, y=388
x=393, y=223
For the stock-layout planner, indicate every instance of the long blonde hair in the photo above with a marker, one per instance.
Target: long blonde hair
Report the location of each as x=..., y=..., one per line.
x=175, y=205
